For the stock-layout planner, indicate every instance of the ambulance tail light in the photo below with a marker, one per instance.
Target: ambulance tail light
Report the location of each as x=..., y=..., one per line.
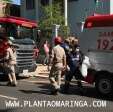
x=89, y=25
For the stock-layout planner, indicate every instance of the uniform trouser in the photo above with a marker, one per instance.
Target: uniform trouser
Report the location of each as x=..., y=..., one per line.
x=74, y=71
x=55, y=75
x=10, y=71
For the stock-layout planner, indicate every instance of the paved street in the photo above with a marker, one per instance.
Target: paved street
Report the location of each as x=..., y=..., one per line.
x=32, y=95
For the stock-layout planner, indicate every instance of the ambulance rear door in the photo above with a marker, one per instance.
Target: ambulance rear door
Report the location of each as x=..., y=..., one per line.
x=97, y=41
x=97, y=33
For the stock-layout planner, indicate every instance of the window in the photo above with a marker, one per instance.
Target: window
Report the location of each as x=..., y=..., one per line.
x=30, y=4
x=44, y=2
x=24, y=32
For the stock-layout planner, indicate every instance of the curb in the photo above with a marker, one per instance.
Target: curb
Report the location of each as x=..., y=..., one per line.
x=47, y=76
x=42, y=76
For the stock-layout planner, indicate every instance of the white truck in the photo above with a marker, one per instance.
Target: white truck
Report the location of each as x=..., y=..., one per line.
x=96, y=41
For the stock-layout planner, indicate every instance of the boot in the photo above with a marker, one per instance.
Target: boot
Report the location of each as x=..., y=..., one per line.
x=55, y=92
x=79, y=84
x=66, y=87
x=80, y=87
x=14, y=84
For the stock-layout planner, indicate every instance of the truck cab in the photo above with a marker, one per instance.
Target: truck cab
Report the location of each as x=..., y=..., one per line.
x=96, y=41
x=23, y=33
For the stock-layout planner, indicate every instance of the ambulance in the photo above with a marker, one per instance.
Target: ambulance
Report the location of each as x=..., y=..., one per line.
x=96, y=42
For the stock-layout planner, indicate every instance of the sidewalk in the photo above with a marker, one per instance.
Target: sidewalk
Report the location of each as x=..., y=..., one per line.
x=41, y=71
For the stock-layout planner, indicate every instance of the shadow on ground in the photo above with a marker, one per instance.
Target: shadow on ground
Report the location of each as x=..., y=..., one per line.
x=87, y=91
x=44, y=89
x=8, y=110
x=4, y=80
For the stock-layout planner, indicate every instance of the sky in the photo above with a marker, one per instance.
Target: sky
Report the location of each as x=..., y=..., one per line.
x=16, y=2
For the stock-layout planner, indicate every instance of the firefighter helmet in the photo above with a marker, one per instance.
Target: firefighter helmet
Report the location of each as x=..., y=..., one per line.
x=58, y=40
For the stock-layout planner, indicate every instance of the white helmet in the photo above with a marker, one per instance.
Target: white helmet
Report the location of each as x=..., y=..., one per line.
x=11, y=38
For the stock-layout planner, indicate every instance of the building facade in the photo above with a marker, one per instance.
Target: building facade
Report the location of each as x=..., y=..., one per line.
x=7, y=8
x=78, y=11
x=31, y=9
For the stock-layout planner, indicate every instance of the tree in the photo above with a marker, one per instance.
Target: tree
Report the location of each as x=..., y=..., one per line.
x=53, y=15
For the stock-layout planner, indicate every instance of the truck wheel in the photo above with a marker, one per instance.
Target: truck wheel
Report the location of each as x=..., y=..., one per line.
x=104, y=85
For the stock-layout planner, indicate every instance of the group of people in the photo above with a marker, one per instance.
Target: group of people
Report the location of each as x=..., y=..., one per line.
x=66, y=59
x=7, y=57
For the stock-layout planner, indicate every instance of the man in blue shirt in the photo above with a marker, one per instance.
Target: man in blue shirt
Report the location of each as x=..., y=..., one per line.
x=74, y=61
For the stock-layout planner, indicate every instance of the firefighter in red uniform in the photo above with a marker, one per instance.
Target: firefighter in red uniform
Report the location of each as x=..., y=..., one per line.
x=58, y=60
x=7, y=57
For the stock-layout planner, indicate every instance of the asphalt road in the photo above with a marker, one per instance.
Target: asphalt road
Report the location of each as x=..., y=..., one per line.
x=33, y=95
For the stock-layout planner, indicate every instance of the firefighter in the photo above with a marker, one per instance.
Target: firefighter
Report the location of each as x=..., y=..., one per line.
x=10, y=64
x=3, y=47
x=8, y=58
x=3, y=40
x=58, y=60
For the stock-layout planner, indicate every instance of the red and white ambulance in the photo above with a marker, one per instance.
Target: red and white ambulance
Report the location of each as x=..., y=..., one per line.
x=96, y=42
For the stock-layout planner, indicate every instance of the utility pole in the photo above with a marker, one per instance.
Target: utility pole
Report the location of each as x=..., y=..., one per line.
x=50, y=3
x=65, y=11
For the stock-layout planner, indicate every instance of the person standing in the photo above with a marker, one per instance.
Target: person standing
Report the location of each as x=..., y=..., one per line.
x=10, y=64
x=8, y=59
x=74, y=62
x=46, y=50
x=58, y=60
x=49, y=63
x=3, y=47
x=36, y=52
